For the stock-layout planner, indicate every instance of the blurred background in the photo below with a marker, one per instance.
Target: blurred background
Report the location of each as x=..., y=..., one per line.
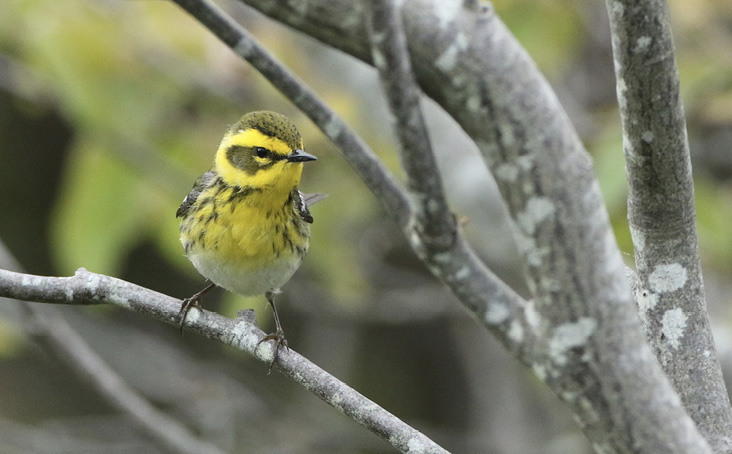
x=109, y=111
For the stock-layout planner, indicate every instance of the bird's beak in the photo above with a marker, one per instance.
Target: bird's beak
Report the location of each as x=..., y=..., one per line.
x=300, y=156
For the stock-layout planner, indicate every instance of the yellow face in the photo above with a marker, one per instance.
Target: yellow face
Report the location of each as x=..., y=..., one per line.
x=250, y=158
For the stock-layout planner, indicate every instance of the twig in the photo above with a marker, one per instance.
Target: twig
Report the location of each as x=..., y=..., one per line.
x=90, y=288
x=58, y=335
x=662, y=214
x=53, y=331
x=434, y=222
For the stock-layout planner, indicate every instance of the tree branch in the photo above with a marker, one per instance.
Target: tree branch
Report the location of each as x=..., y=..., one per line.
x=662, y=214
x=89, y=288
x=56, y=334
x=432, y=230
x=53, y=332
x=433, y=220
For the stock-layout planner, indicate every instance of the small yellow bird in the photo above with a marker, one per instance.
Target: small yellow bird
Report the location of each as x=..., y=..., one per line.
x=245, y=225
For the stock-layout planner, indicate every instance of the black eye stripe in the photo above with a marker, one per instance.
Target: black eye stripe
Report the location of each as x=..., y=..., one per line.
x=249, y=159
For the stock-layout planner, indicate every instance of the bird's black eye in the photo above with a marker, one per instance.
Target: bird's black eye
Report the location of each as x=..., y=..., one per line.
x=261, y=152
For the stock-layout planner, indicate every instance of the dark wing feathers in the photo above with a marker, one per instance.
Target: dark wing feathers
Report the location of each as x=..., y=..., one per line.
x=201, y=184
x=303, y=201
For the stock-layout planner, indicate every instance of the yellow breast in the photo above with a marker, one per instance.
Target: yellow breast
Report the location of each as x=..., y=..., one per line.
x=248, y=243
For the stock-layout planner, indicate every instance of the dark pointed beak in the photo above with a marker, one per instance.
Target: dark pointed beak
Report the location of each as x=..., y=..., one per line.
x=300, y=156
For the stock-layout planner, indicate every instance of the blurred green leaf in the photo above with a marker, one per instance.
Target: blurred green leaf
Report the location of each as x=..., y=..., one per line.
x=12, y=339
x=549, y=30
x=99, y=214
x=609, y=162
x=714, y=211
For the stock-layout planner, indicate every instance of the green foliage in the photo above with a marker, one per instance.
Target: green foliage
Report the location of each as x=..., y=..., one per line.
x=609, y=161
x=714, y=211
x=551, y=31
x=11, y=339
x=94, y=224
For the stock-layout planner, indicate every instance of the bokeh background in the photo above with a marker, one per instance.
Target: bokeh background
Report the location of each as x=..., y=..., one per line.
x=110, y=109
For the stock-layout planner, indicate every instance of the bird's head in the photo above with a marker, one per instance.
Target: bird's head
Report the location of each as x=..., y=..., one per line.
x=263, y=150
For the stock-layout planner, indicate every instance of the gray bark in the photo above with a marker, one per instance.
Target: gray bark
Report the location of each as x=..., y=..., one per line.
x=662, y=214
x=85, y=288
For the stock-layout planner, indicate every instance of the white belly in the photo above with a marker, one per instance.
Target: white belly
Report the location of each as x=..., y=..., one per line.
x=245, y=280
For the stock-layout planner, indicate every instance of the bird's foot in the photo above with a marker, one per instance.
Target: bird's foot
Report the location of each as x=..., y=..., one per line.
x=279, y=341
x=189, y=303
x=186, y=305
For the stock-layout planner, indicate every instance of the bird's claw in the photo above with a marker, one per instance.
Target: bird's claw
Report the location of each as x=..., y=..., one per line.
x=279, y=341
x=185, y=307
x=191, y=302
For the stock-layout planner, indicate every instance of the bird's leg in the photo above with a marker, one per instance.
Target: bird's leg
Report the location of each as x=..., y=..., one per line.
x=188, y=303
x=279, y=335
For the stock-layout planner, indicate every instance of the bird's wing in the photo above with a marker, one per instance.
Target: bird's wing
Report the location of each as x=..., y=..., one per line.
x=303, y=201
x=202, y=182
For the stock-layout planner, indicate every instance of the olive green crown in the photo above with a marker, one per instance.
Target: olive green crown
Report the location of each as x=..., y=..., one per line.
x=271, y=124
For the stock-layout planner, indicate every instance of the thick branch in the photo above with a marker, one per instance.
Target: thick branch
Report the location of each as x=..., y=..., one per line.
x=90, y=288
x=662, y=214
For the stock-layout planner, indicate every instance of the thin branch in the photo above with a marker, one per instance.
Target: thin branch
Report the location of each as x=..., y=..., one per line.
x=662, y=214
x=58, y=336
x=494, y=303
x=52, y=331
x=432, y=230
x=89, y=288
x=434, y=222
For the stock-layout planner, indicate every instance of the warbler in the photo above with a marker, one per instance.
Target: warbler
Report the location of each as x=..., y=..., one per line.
x=245, y=225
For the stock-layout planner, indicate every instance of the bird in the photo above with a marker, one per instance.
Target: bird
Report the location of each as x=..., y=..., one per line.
x=245, y=225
